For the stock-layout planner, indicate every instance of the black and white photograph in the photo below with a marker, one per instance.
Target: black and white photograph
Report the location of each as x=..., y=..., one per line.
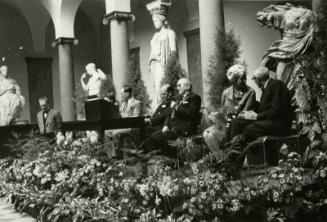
x=163, y=111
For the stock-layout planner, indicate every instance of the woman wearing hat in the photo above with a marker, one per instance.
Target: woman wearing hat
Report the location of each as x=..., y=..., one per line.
x=236, y=98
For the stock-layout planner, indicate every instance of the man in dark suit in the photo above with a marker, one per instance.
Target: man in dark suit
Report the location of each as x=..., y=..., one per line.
x=48, y=119
x=183, y=119
x=164, y=110
x=274, y=117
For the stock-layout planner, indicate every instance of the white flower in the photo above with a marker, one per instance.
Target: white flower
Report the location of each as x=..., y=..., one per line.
x=60, y=138
x=93, y=136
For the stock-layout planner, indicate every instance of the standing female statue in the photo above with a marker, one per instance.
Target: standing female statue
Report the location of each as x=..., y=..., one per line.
x=11, y=100
x=163, y=43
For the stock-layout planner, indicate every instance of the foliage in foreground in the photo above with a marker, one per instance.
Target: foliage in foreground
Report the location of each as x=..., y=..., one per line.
x=78, y=181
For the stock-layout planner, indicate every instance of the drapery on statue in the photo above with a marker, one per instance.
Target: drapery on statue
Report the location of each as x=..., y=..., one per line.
x=297, y=27
x=92, y=80
x=163, y=43
x=11, y=100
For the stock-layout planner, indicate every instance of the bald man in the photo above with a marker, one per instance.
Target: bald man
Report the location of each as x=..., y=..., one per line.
x=183, y=120
x=275, y=114
x=163, y=110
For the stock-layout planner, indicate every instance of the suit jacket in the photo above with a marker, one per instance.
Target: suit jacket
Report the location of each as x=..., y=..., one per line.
x=185, y=117
x=131, y=108
x=52, y=122
x=275, y=103
x=162, y=112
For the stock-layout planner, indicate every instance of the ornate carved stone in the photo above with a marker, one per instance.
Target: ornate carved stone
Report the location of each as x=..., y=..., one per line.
x=118, y=16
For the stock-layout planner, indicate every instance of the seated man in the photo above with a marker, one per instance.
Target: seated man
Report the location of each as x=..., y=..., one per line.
x=182, y=121
x=274, y=117
x=129, y=107
x=163, y=110
x=238, y=97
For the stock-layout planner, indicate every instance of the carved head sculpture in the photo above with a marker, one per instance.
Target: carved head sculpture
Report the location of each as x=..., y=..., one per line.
x=159, y=21
x=159, y=11
x=4, y=71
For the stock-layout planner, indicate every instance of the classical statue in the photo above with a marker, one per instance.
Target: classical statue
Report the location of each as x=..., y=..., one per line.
x=163, y=43
x=11, y=100
x=92, y=80
x=297, y=28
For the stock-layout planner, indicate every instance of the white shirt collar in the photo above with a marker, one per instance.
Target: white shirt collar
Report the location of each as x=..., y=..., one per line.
x=266, y=84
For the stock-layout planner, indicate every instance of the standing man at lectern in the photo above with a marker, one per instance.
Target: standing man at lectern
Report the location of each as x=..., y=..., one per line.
x=92, y=80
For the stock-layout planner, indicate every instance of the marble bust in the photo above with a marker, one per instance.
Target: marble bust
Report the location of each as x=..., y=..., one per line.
x=92, y=80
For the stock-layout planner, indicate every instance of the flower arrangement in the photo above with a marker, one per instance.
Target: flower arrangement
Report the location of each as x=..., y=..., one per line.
x=79, y=181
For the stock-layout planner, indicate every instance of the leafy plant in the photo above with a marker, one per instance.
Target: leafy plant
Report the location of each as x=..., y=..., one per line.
x=227, y=53
x=137, y=83
x=173, y=71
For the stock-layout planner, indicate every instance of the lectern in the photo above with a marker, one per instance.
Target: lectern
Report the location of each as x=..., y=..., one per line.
x=97, y=109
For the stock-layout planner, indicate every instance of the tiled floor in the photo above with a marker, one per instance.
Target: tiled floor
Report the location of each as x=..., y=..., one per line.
x=8, y=214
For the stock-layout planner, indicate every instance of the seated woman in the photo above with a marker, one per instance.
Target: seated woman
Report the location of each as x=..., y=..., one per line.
x=236, y=98
x=11, y=100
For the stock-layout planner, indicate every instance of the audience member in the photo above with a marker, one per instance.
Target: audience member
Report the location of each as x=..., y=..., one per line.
x=182, y=121
x=48, y=119
x=274, y=117
x=163, y=110
x=238, y=97
x=129, y=106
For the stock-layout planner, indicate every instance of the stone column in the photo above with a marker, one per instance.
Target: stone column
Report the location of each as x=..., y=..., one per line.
x=211, y=17
x=119, y=47
x=66, y=78
x=317, y=5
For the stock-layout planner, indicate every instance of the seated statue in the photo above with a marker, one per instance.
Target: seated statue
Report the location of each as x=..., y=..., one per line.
x=11, y=100
x=236, y=98
x=92, y=80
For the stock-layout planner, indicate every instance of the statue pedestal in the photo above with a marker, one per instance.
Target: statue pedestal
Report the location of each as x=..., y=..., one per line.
x=100, y=109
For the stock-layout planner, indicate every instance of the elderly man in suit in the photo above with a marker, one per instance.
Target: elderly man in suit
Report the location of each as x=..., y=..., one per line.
x=274, y=117
x=182, y=121
x=164, y=110
x=48, y=119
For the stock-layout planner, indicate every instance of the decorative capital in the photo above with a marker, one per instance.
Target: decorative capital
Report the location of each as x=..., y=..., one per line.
x=118, y=16
x=64, y=40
